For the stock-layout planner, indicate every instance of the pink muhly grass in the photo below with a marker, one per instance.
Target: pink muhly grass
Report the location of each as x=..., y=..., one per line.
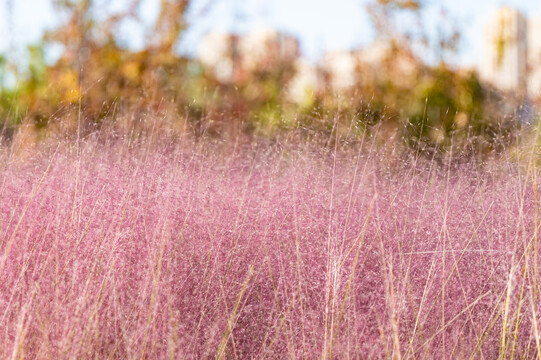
x=267, y=252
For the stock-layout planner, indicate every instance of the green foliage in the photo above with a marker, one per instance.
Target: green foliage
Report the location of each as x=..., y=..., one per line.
x=96, y=79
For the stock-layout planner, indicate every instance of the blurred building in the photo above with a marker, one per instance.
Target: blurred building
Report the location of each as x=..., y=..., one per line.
x=303, y=87
x=534, y=58
x=340, y=68
x=266, y=48
x=382, y=57
x=217, y=52
x=505, y=61
x=231, y=57
x=346, y=69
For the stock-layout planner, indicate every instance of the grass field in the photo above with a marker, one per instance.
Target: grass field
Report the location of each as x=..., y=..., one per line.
x=195, y=250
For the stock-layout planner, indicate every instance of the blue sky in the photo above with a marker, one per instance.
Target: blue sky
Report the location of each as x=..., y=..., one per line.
x=321, y=25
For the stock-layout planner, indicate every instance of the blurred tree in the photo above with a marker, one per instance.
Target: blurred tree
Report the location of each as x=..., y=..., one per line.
x=434, y=106
x=384, y=15
x=170, y=24
x=97, y=78
x=95, y=72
